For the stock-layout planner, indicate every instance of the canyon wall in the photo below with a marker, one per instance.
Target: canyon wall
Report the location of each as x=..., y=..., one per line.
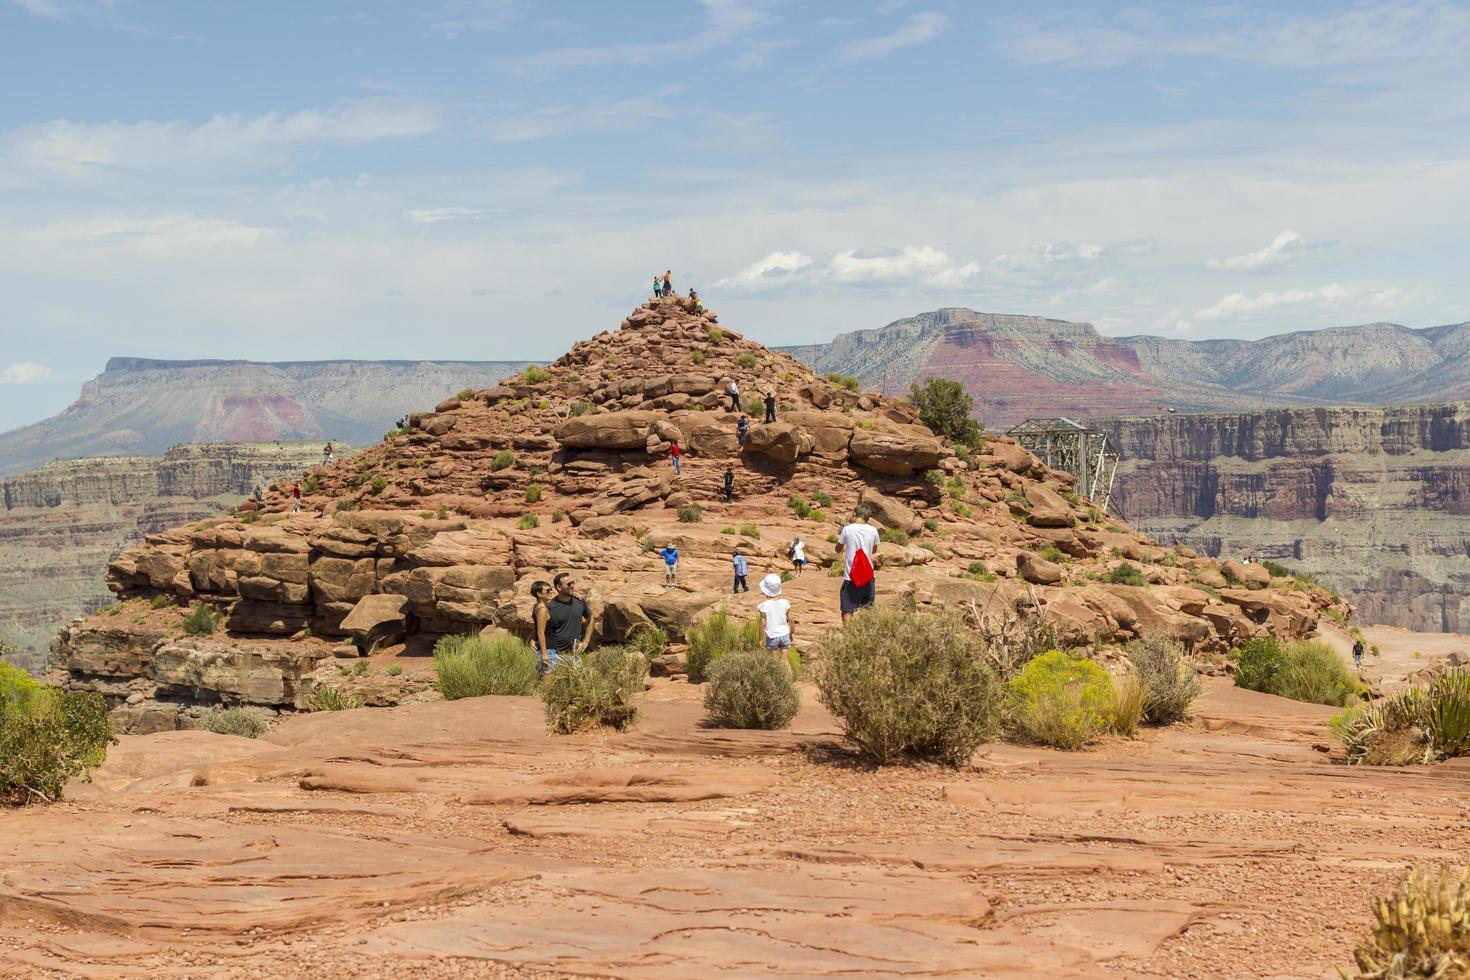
x=62, y=523
x=1371, y=499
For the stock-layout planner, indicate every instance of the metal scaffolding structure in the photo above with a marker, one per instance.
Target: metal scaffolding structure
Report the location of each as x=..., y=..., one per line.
x=1066, y=445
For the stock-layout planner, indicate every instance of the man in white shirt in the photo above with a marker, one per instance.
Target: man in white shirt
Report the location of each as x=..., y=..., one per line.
x=859, y=541
x=734, y=392
x=775, y=614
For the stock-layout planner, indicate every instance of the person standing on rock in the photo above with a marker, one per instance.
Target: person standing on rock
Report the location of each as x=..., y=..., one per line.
x=797, y=553
x=1358, y=653
x=742, y=567
x=296, y=499
x=771, y=405
x=694, y=298
x=546, y=658
x=859, y=542
x=668, y=283
x=259, y=494
x=670, y=555
x=658, y=285
x=327, y=454
x=568, y=621
x=729, y=484
x=734, y=392
x=775, y=614
x=674, y=453
x=742, y=429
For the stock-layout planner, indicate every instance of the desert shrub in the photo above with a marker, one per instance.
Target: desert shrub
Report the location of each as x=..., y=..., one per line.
x=961, y=510
x=901, y=682
x=378, y=485
x=697, y=357
x=464, y=394
x=935, y=477
x=201, y=620
x=751, y=689
x=1257, y=662
x=689, y=514
x=1276, y=568
x=1126, y=710
x=469, y=666
x=234, y=721
x=894, y=535
x=159, y=601
x=1061, y=700
x=1170, y=682
x=1126, y=574
x=944, y=406
x=1415, y=726
x=502, y=460
x=750, y=531
x=717, y=636
x=580, y=408
x=528, y=521
x=596, y=689
x=746, y=360
x=821, y=498
x=557, y=516
x=716, y=336
x=845, y=381
x=1422, y=929
x=533, y=492
x=1307, y=670
x=1052, y=553
x=332, y=699
x=396, y=670
x=651, y=641
x=343, y=506
x=729, y=529
x=312, y=485
x=534, y=375
x=931, y=524
x=47, y=737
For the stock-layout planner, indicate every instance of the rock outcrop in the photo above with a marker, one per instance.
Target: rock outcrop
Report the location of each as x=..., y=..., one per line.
x=444, y=528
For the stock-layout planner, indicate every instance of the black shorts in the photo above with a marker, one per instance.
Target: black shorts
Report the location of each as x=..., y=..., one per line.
x=854, y=597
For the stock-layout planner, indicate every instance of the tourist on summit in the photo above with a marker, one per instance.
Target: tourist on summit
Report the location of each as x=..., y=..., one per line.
x=674, y=453
x=694, y=298
x=771, y=405
x=729, y=484
x=859, y=541
x=741, y=568
x=658, y=285
x=296, y=499
x=327, y=454
x=1358, y=653
x=797, y=553
x=734, y=392
x=259, y=494
x=775, y=614
x=545, y=658
x=670, y=556
x=668, y=284
x=568, y=624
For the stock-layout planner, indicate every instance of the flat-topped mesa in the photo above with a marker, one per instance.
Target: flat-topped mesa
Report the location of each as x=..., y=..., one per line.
x=444, y=527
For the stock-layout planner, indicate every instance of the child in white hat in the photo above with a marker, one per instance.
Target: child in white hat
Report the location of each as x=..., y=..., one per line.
x=775, y=614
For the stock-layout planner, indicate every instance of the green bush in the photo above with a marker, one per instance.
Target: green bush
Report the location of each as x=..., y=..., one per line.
x=201, y=620
x=1307, y=670
x=469, y=666
x=1275, y=568
x=717, y=636
x=651, y=641
x=534, y=375
x=750, y=531
x=312, y=485
x=1052, y=553
x=1422, y=930
x=528, y=521
x=1170, y=681
x=1416, y=726
x=580, y=408
x=716, y=336
x=47, y=737
x=596, y=689
x=961, y=510
x=1126, y=574
x=332, y=699
x=746, y=360
x=821, y=498
x=697, y=357
x=533, y=493
x=464, y=394
x=396, y=670
x=894, y=535
x=689, y=514
x=944, y=406
x=234, y=721
x=1061, y=700
x=901, y=682
x=845, y=381
x=751, y=689
x=502, y=460
x=378, y=485
x=931, y=524
x=159, y=601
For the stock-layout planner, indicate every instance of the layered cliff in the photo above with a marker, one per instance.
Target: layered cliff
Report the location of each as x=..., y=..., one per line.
x=60, y=524
x=1371, y=499
x=142, y=407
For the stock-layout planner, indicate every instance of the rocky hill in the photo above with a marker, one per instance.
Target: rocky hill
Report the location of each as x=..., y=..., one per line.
x=62, y=523
x=1372, y=500
x=1017, y=367
x=444, y=527
x=142, y=407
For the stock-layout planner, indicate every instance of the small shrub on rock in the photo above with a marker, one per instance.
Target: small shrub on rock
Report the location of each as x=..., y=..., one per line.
x=905, y=683
x=894, y=535
x=234, y=721
x=502, y=460
x=533, y=492
x=332, y=699
x=528, y=521
x=47, y=737
x=651, y=641
x=750, y=531
x=201, y=620
x=534, y=375
x=378, y=485
x=1170, y=681
x=1422, y=930
x=1061, y=700
x=689, y=514
x=717, y=636
x=1416, y=726
x=1053, y=554
x=470, y=666
x=596, y=689
x=751, y=689
x=1127, y=574
x=579, y=408
x=746, y=360
x=158, y=602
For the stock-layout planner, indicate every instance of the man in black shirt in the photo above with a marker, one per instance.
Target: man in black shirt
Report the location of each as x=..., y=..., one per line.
x=568, y=624
x=771, y=406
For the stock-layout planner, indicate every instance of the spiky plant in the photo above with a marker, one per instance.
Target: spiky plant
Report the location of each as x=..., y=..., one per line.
x=1448, y=717
x=1390, y=732
x=1423, y=929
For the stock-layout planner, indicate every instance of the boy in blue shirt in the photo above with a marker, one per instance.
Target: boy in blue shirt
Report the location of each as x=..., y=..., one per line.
x=671, y=565
x=738, y=560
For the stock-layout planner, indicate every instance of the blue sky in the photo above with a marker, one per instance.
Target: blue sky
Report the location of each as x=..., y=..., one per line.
x=495, y=179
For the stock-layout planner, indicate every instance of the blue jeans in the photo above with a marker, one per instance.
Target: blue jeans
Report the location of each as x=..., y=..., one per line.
x=551, y=660
x=678, y=466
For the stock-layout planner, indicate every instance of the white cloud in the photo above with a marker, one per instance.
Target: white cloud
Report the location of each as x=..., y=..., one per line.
x=1331, y=297
x=432, y=216
x=921, y=264
x=919, y=29
x=167, y=234
x=1285, y=243
x=777, y=266
x=26, y=373
x=725, y=21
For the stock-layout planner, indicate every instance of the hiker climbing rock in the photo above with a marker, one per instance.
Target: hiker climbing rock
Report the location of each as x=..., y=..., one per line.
x=742, y=429
x=674, y=454
x=742, y=567
x=729, y=484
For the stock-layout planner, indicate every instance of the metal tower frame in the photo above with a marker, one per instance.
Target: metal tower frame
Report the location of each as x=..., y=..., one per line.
x=1086, y=453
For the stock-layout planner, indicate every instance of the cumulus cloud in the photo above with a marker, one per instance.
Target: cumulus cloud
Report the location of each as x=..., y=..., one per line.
x=1329, y=297
x=919, y=29
x=923, y=264
x=1281, y=247
x=26, y=373
x=777, y=266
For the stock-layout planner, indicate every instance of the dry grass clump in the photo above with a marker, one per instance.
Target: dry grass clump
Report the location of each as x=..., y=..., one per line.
x=595, y=689
x=1422, y=931
x=1126, y=709
x=470, y=667
x=905, y=683
x=234, y=721
x=1169, y=680
x=717, y=636
x=751, y=689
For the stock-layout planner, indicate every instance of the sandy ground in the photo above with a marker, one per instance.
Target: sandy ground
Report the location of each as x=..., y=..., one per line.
x=1401, y=652
x=459, y=839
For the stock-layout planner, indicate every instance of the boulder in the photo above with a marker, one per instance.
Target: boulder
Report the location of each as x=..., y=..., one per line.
x=714, y=439
x=1006, y=455
x=890, y=512
x=898, y=450
x=779, y=441
x=273, y=618
x=607, y=430
x=255, y=672
x=1251, y=574
x=377, y=620
x=678, y=609
x=1037, y=570
x=830, y=431
x=1047, y=508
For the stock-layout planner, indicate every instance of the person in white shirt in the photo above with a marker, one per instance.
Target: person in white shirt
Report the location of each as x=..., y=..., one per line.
x=775, y=614
x=734, y=392
x=859, y=541
x=797, y=554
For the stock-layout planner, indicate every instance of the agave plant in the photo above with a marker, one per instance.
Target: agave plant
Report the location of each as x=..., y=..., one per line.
x=1423, y=929
x=1448, y=716
x=1391, y=732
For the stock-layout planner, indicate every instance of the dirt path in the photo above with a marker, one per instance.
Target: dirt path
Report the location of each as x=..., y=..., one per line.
x=460, y=840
